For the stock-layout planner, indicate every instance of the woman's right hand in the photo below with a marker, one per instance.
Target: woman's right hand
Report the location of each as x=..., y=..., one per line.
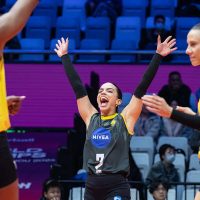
x=62, y=47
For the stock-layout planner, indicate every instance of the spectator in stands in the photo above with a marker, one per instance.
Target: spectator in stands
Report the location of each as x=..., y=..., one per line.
x=105, y=8
x=194, y=141
x=52, y=190
x=159, y=190
x=164, y=170
x=176, y=90
x=10, y=24
x=110, y=8
x=173, y=128
x=158, y=29
x=148, y=124
x=188, y=8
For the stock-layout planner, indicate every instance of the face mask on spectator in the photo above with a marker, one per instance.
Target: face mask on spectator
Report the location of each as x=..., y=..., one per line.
x=169, y=157
x=159, y=25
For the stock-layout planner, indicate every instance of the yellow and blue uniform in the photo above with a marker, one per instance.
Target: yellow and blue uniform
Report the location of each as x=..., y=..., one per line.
x=7, y=168
x=4, y=117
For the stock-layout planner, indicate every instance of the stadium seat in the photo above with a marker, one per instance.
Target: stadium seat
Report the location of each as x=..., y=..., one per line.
x=135, y=8
x=9, y=3
x=47, y=8
x=92, y=44
x=165, y=8
x=123, y=45
x=128, y=28
x=126, y=97
x=68, y=27
x=98, y=28
x=194, y=163
x=183, y=25
x=135, y=194
x=75, y=9
x=189, y=194
x=31, y=44
x=182, y=45
x=143, y=144
x=54, y=57
x=143, y=162
x=39, y=27
x=193, y=177
x=76, y=193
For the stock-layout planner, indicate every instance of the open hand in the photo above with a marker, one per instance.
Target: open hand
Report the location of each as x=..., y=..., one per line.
x=62, y=47
x=14, y=103
x=157, y=105
x=165, y=47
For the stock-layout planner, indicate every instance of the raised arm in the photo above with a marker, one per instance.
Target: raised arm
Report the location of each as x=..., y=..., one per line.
x=85, y=107
x=132, y=111
x=14, y=20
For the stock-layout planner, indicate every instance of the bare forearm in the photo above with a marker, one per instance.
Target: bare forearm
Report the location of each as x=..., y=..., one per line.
x=13, y=21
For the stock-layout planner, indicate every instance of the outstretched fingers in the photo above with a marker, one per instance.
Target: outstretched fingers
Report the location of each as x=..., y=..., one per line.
x=59, y=43
x=168, y=39
x=172, y=42
x=173, y=49
x=158, y=40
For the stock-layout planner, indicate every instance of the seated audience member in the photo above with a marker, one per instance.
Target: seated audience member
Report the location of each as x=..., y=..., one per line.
x=159, y=190
x=110, y=8
x=105, y=8
x=176, y=90
x=148, y=124
x=158, y=29
x=188, y=8
x=164, y=170
x=170, y=127
x=52, y=190
x=194, y=141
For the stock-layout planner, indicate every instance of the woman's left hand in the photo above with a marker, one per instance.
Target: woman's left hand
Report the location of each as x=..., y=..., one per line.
x=166, y=47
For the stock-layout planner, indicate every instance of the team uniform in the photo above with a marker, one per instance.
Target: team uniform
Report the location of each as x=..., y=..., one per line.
x=106, y=158
x=7, y=168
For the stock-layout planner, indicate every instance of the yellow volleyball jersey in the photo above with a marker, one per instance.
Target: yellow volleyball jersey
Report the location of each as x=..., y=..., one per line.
x=199, y=107
x=4, y=116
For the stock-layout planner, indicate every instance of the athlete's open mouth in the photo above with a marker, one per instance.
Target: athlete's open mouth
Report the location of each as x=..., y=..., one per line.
x=103, y=101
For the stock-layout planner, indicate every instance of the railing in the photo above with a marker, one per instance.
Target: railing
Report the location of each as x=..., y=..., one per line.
x=139, y=191
x=139, y=54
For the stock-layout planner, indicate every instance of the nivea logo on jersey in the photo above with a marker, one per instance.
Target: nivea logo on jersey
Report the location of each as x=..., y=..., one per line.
x=101, y=137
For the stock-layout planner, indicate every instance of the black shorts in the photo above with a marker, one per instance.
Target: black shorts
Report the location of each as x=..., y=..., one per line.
x=7, y=167
x=107, y=187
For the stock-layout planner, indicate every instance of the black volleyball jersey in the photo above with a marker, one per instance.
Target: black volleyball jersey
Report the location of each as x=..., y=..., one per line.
x=107, y=145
